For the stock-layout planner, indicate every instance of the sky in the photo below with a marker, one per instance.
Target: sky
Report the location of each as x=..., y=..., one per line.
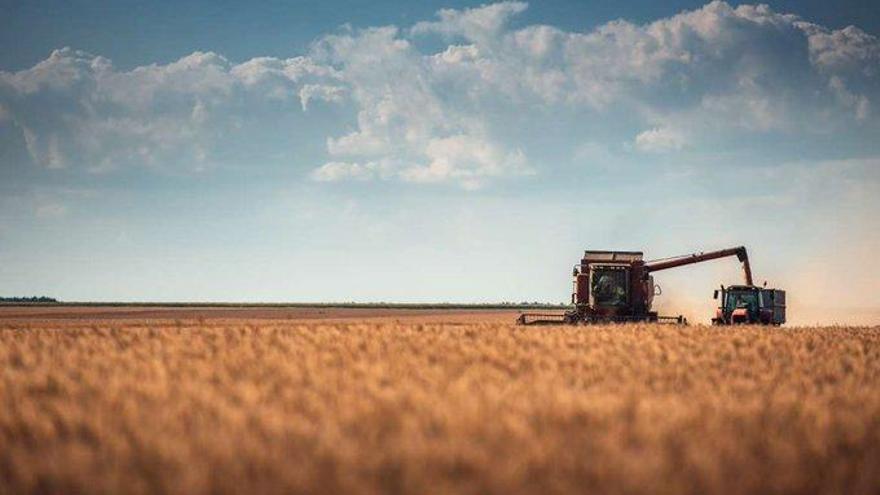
x=435, y=151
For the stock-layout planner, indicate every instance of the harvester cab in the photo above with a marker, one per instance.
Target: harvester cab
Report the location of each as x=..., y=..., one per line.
x=748, y=304
x=613, y=286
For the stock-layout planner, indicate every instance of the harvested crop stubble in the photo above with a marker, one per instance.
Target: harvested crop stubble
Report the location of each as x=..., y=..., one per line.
x=279, y=407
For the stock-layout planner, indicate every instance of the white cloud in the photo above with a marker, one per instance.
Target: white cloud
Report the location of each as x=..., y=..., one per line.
x=336, y=171
x=75, y=109
x=660, y=139
x=406, y=118
x=717, y=69
x=481, y=23
x=322, y=92
x=847, y=49
x=860, y=104
x=467, y=160
x=463, y=160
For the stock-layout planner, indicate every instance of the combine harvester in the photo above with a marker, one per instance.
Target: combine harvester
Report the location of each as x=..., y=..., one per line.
x=618, y=287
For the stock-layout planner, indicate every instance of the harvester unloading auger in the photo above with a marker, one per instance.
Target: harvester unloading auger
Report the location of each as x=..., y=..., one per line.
x=617, y=286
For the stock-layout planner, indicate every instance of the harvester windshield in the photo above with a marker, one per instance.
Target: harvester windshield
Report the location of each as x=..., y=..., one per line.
x=609, y=286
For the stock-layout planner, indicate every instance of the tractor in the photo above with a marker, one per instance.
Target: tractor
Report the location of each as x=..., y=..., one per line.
x=747, y=304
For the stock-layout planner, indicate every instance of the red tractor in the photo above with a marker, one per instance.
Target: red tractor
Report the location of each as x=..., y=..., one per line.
x=747, y=304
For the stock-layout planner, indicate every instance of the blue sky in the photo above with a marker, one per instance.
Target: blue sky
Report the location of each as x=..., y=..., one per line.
x=321, y=151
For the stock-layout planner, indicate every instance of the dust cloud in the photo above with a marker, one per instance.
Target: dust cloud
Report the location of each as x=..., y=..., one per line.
x=832, y=285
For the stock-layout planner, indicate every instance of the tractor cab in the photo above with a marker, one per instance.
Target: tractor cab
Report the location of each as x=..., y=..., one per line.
x=748, y=304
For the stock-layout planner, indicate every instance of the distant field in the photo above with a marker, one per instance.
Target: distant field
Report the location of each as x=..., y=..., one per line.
x=157, y=313
x=234, y=305
x=429, y=402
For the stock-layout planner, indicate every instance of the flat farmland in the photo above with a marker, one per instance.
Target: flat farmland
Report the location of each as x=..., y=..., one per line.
x=84, y=314
x=190, y=400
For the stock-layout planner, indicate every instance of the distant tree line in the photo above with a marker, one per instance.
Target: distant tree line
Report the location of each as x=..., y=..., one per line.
x=34, y=299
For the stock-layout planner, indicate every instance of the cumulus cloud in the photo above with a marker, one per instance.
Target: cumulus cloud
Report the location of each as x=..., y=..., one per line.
x=467, y=161
x=75, y=108
x=450, y=115
x=717, y=69
x=849, y=49
x=860, y=103
x=407, y=118
x=660, y=139
x=335, y=171
x=482, y=23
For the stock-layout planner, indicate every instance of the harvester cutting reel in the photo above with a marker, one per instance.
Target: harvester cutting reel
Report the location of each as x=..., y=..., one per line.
x=573, y=318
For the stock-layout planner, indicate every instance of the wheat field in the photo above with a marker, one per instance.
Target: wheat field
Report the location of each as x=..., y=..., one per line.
x=403, y=405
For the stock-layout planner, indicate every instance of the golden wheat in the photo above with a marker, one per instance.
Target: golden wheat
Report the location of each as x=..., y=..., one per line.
x=471, y=407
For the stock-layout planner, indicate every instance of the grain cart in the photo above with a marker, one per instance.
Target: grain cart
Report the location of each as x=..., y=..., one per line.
x=618, y=286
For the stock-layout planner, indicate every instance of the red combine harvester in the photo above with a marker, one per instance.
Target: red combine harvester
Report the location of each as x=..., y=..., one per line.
x=618, y=286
